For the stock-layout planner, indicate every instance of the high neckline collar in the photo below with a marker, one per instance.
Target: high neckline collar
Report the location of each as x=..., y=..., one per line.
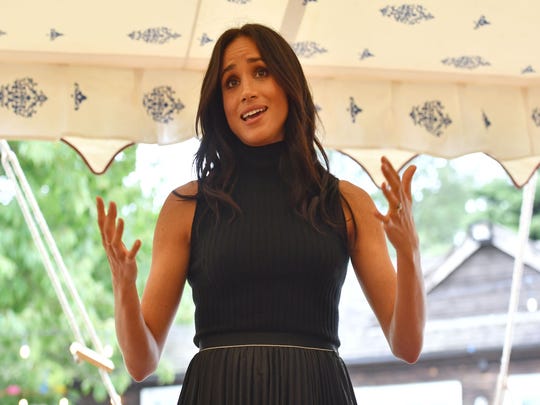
x=259, y=156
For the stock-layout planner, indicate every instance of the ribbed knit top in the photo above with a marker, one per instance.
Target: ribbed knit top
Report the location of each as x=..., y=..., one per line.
x=268, y=270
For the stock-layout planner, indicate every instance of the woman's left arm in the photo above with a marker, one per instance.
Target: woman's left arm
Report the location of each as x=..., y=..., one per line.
x=396, y=297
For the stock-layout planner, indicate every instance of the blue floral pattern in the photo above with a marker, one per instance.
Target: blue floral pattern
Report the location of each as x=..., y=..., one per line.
x=76, y=92
x=161, y=105
x=466, y=62
x=22, y=97
x=307, y=49
x=157, y=35
x=431, y=116
x=409, y=14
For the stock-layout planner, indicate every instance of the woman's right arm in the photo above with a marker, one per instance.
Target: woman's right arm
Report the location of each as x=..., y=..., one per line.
x=142, y=325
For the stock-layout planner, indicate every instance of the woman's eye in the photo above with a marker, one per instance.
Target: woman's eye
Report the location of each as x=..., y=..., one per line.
x=261, y=72
x=231, y=82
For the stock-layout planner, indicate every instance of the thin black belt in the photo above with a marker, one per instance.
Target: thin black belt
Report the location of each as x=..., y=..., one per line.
x=228, y=340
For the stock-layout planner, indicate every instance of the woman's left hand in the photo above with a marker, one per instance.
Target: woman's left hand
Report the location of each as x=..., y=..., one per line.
x=398, y=221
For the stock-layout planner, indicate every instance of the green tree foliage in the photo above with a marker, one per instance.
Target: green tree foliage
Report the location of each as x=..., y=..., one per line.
x=441, y=194
x=449, y=196
x=500, y=203
x=30, y=312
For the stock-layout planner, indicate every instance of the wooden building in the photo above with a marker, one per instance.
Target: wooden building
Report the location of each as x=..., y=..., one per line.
x=468, y=297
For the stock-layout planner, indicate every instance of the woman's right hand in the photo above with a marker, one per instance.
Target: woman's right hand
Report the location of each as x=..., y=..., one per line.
x=121, y=260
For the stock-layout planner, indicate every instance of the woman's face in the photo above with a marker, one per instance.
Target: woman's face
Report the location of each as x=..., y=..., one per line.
x=255, y=105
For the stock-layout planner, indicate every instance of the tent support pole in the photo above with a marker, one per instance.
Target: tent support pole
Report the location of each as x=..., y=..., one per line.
x=523, y=238
x=43, y=239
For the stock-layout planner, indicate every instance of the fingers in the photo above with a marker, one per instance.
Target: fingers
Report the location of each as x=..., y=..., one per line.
x=101, y=216
x=407, y=180
x=400, y=186
x=134, y=249
x=109, y=224
x=392, y=196
x=396, y=190
x=100, y=211
x=112, y=232
x=392, y=188
x=117, y=237
x=391, y=174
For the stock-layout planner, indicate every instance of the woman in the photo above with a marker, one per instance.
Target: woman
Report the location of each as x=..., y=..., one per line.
x=264, y=238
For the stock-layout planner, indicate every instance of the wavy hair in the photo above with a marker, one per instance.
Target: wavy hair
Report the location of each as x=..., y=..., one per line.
x=310, y=184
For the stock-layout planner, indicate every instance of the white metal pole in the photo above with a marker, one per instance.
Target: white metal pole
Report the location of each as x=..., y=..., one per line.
x=7, y=162
x=36, y=222
x=523, y=238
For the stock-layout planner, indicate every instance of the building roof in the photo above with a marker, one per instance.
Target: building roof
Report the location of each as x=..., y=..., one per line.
x=467, y=302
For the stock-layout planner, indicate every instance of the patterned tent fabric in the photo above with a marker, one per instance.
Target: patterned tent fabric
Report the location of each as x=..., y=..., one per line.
x=434, y=77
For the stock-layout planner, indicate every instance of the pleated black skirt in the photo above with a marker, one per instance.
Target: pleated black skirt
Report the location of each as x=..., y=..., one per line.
x=266, y=375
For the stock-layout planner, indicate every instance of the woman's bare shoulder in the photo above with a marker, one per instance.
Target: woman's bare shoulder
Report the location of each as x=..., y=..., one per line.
x=186, y=191
x=354, y=194
x=179, y=206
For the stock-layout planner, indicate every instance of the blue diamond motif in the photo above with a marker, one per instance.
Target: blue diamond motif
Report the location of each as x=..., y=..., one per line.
x=78, y=96
x=481, y=22
x=53, y=34
x=22, y=97
x=161, y=105
x=487, y=122
x=431, y=116
x=366, y=53
x=536, y=116
x=353, y=109
x=205, y=39
x=528, y=69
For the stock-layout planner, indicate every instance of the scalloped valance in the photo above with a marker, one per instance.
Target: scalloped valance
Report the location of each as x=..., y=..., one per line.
x=438, y=78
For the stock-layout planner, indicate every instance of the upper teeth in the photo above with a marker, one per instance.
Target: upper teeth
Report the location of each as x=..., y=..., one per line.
x=252, y=112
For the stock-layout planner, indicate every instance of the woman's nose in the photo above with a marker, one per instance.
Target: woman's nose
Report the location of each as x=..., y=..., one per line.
x=248, y=90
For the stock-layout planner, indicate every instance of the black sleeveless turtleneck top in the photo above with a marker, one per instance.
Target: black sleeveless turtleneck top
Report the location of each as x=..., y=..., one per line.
x=268, y=270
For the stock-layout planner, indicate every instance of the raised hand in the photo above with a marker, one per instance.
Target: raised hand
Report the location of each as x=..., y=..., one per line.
x=121, y=260
x=398, y=221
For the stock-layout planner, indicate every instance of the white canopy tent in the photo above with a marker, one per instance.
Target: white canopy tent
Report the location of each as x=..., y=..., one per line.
x=437, y=77
x=432, y=77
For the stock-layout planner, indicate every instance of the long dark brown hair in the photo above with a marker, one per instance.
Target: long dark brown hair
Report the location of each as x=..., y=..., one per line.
x=311, y=185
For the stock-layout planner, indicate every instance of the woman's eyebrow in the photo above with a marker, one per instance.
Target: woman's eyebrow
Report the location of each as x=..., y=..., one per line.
x=233, y=65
